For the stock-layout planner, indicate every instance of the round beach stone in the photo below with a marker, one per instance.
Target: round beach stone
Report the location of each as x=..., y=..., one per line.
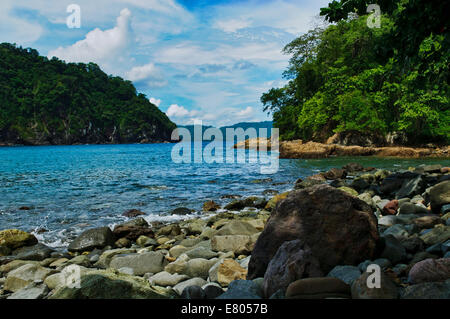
x=318, y=288
x=187, y=283
x=429, y=270
x=140, y=263
x=165, y=279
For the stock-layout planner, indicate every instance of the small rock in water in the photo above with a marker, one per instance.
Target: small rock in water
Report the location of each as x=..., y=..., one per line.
x=181, y=211
x=133, y=213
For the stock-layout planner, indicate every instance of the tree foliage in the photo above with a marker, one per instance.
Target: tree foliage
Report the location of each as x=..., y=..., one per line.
x=50, y=102
x=349, y=77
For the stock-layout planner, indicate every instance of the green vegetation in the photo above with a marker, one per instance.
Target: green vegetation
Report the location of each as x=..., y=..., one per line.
x=349, y=77
x=50, y=102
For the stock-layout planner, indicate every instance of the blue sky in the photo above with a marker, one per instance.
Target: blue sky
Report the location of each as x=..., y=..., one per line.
x=195, y=59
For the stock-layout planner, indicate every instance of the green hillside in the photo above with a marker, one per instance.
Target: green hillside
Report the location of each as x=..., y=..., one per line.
x=52, y=102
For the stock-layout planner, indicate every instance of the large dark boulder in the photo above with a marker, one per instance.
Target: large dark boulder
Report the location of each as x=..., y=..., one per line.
x=91, y=239
x=339, y=228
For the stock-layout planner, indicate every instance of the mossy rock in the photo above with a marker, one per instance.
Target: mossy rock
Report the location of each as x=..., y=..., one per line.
x=274, y=200
x=15, y=238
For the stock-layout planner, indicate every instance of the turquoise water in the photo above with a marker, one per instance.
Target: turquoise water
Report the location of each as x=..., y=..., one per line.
x=70, y=188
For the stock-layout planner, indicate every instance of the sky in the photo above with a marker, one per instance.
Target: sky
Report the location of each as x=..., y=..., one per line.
x=194, y=59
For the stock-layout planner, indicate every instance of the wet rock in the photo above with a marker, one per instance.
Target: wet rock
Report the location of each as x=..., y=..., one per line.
x=293, y=260
x=439, y=196
x=387, y=289
x=348, y=190
x=165, y=279
x=210, y=206
x=353, y=167
x=201, y=252
x=133, y=229
x=198, y=267
x=103, y=284
x=412, y=244
x=36, y=252
x=429, y=270
x=32, y=291
x=21, y=277
x=14, y=238
x=422, y=255
x=123, y=243
x=238, y=244
x=212, y=291
x=181, y=211
x=274, y=200
x=393, y=250
x=4, y=251
x=237, y=227
x=339, y=228
x=347, y=274
x=398, y=231
x=390, y=208
x=242, y=289
x=140, y=263
x=107, y=255
x=438, y=234
x=335, y=173
x=133, y=213
x=428, y=290
x=92, y=238
x=411, y=187
x=410, y=208
x=188, y=283
x=193, y=292
x=318, y=288
x=428, y=221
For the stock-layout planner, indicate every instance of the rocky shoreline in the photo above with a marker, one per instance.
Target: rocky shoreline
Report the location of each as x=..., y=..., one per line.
x=317, y=241
x=312, y=150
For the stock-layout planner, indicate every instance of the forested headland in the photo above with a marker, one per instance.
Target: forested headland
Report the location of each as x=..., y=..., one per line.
x=389, y=84
x=52, y=102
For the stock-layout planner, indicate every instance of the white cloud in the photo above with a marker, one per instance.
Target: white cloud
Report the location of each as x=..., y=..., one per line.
x=147, y=73
x=102, y=47
x=192, y=54
x=245, y=113
x=17, y=30
x=177, y=111
x=154, y=101
x=232, y=25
